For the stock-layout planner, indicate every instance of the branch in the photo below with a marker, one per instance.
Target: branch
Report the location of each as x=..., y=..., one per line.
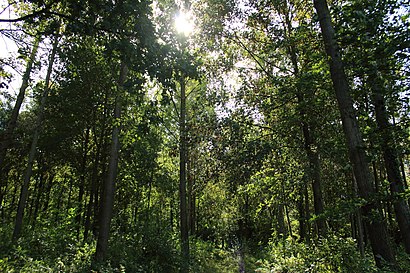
x=7, y=7
x=193, y=89
x=28, y=16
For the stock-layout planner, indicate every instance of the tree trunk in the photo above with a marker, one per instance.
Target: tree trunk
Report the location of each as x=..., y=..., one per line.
x=282, y=231
x=302, y=216
x=100, y=157
x=7, y=137
x=82, y=182
x=48, y=192
x=33, y=149
x=107, y=198
x=376, y=225
x=392, y=166
x=92, y=190
x=403, y=173
x=309, y=140
x=182, y=181
x=314, y=174
x=304, y=213
x=69, y=198
x=191, y=195
x=60, y=197
x=357, y=216
x=3, y=191
x=285, y=202
x=40, y=191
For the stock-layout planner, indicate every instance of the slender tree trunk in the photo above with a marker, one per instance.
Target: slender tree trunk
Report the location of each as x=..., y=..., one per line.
x=302, y=215
x=392, y=166
x=376, y=226
x=403, y=173
x=171, y=213
x=307, y=210
x=107, y=198
x=288, y=220
x=60, y=200
x=182, y=181
x=284, y=200
x=193, y=206
x=282, y=231
x=82, y=186
x=33, y=149
x=304, y=212
x=314, y=174
x=48, y=191
x=7, y=137
x=312, y=155
x=93, y=190
x=40, y=191
x=35, y=189
x=101, y=144
x=3, y=190
x=69, y=198
x=13, y=199
x=376, y=177
x=191, y=195
x=357, y=216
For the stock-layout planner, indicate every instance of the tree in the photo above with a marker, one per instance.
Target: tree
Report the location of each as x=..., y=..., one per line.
x=27, y=175
x=373, y=57
x=7, y=136
x=132, y=16
x=107, y=200
x=376, y=226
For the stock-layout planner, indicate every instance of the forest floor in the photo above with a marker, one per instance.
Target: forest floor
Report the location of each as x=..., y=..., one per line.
x=52, y=250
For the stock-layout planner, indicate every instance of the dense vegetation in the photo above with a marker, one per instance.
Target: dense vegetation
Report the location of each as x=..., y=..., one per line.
x=273, y=136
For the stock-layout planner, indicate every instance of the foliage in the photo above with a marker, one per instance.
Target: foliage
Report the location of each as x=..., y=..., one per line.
x=330, y=254
x=208, y=258
x=264, y=139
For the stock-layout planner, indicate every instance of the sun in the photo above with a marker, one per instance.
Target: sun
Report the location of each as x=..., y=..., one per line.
x=183, y=23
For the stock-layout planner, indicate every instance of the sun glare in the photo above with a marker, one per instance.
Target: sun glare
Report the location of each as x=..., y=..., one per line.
x=183, y=23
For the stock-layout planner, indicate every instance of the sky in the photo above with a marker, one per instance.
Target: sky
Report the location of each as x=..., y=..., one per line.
x=8, y=47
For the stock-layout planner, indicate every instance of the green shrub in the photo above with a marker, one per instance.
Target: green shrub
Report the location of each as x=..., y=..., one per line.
x=331, y=254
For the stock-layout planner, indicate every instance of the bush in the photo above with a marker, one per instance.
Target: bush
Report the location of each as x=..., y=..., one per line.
x=331, y=254
x=209, y=259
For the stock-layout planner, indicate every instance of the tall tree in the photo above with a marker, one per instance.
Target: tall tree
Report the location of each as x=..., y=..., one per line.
x=374, y=57
x=183, y=154
x=27, y=175
x=7, y=137
x=107, y=200
x=376, y=226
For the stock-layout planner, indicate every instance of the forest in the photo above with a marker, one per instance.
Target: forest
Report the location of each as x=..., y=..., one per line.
x=205, y=136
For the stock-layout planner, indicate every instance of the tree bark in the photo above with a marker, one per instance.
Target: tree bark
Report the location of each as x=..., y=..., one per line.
x=107, y=198
x=24, y=190
x=7, y=137
x=182, y=180
x=375, y=223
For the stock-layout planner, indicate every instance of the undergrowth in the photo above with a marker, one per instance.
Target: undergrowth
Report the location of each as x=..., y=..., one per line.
x=156, y=250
